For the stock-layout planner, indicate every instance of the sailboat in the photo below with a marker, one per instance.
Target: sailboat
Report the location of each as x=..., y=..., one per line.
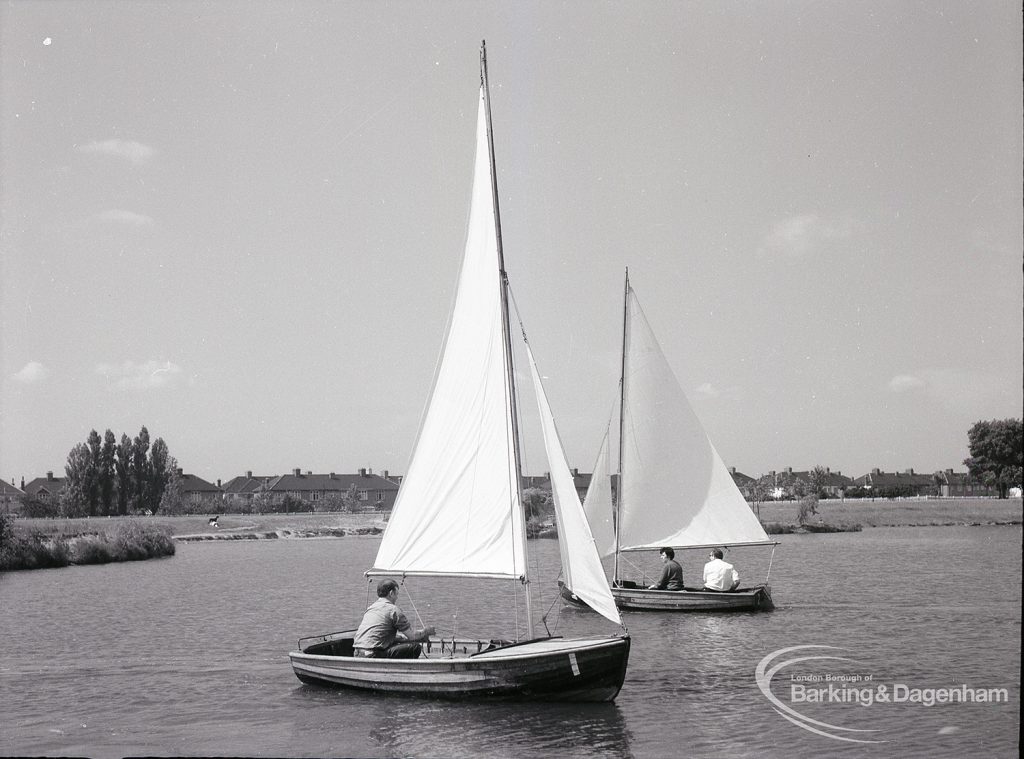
x=459, y=512
x=673, y=490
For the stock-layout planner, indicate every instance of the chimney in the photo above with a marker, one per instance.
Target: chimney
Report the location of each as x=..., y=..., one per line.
x=362, y=472
x=876, y=471
x=789, y=470
x=249, y=474
x=218, y=482
x=909, y=471
x=331, y=476
x=732, y=470
x=828, y=471
x=180, y=473
x=575, y=472
x=49, y=476
x=22, y=483
x=385, y=475
x=297, y=472
x=309, y=473
x=948, y=471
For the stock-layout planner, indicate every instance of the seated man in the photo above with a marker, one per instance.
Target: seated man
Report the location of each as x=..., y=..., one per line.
x=720, y=575
x=671, y=573
x=385, y=633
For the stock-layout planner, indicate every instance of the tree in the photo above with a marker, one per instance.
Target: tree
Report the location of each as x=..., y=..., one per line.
x=74, y=499
x=172, y=499
x=536, y=503
x=123, y=471
x=760, y=492
x=93, y=485
x=141, y=474
x=159, y=459
x=819, y=478
x=108, y=474
x=997, y=453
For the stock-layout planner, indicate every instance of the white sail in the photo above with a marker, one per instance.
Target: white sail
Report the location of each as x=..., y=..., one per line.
x=581, y=565
x=674, y=488
x=598, y=504
x=458, y=510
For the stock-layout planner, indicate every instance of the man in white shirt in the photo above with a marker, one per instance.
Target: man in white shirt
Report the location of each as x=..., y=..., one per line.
x=720, y=575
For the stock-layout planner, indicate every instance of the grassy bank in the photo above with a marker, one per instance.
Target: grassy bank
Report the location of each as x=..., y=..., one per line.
x=230, y=526
x=23, y=547
x=904, y=513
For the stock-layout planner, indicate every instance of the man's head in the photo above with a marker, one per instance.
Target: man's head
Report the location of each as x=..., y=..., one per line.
x=668, y=553
x=716, y=553
x=386, y=587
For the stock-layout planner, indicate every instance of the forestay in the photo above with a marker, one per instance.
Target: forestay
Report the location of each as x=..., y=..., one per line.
x=458, y=510
x=581, y=565
x=676, y=491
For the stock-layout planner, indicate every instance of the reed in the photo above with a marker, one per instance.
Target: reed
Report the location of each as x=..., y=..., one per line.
x=34, y=549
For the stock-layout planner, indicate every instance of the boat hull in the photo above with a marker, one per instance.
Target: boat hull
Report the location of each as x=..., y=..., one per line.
x=756, y=598
x=548, y=669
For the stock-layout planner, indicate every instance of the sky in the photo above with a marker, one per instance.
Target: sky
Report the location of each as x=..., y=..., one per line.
x=240, y=223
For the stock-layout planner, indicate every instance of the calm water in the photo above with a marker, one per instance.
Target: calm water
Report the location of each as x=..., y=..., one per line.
x=188, y=656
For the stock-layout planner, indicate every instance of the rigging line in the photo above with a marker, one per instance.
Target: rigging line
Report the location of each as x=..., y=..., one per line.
x=526, y=341
x=412, y=603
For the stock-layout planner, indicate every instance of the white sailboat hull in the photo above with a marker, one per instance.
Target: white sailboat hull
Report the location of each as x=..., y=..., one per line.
x=555, y=669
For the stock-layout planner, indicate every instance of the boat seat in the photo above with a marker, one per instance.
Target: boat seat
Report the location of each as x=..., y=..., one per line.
x=339, y=647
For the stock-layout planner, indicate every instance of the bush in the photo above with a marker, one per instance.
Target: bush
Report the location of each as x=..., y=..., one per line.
x=33, y=552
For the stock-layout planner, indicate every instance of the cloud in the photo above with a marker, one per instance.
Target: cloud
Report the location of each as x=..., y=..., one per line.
x=707, y=390
x=31, y=373
x=120, y=216
x=903, y=383
x=132, y=376
x=802, y=234
x=135, y=152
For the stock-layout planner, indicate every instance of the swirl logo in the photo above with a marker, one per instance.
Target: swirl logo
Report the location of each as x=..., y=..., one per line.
x=767, y=669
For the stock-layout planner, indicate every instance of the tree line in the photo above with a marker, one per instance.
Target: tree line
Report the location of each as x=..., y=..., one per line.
x=107, y=477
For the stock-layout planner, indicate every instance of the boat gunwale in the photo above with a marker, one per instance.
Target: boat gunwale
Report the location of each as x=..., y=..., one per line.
x=495, y=654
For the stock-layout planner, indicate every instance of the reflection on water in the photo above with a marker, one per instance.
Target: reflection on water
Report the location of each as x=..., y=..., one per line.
x=188, y=655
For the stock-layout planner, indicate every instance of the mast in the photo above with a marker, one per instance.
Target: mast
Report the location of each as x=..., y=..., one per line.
x=622, y=417
x=520, y=516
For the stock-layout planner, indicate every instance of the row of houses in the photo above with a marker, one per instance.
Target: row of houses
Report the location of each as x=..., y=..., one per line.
x=786, y=483
x=372, y=491
x=378, y=491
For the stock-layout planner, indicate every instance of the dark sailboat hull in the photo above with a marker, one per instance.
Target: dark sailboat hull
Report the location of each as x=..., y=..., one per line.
x=546, y=669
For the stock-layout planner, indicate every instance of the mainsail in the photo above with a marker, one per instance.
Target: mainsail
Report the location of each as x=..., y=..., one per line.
x=581, y=566
x=458, y=510
x=674, y=488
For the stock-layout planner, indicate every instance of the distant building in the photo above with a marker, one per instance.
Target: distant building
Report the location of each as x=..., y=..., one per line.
x=784, y=483
x=744, y=482
x=372, y=491
x=240, y=490
x=953, y=484
x=11, y=498
x=581, y=481
x=198, y=491
x=905, y=483
x=46, y=489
